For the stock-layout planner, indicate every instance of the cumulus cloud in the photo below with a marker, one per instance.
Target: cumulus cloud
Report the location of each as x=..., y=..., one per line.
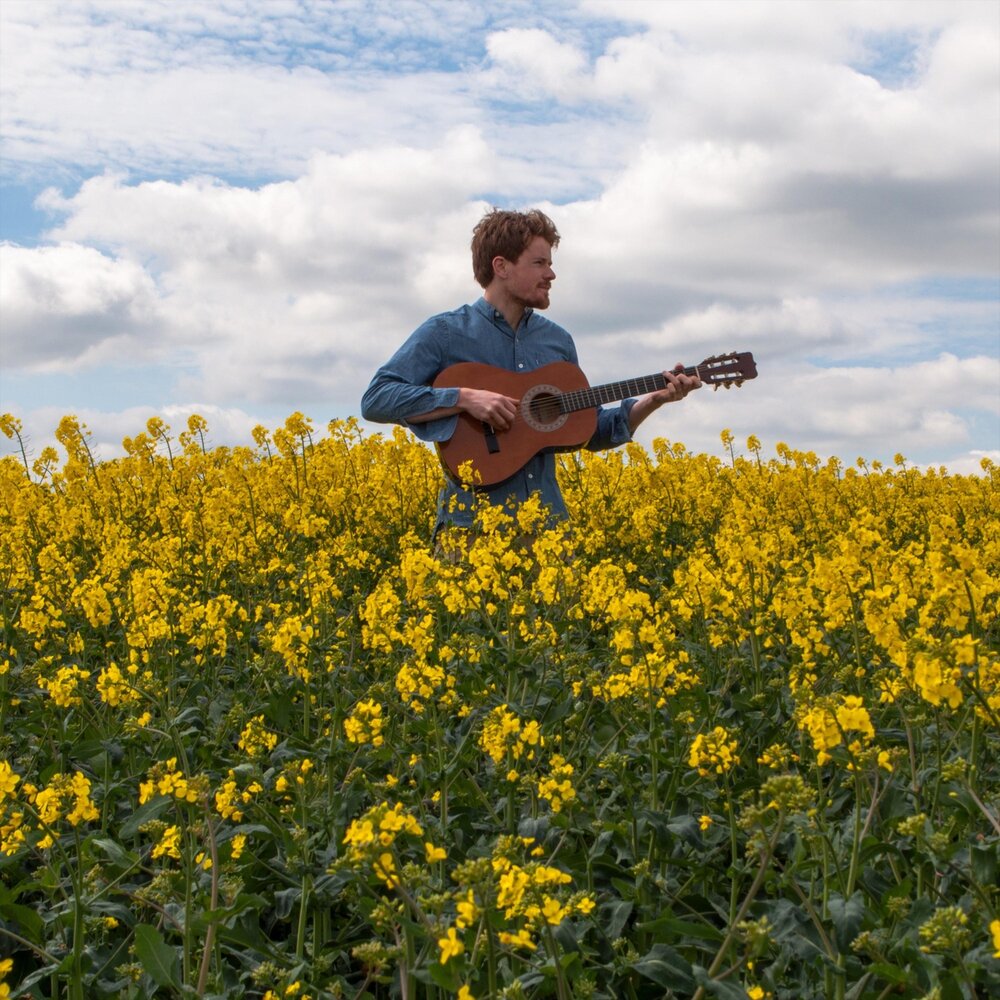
x=846, y=412
x=288, y=291
x=530, y=64
x=70, y=304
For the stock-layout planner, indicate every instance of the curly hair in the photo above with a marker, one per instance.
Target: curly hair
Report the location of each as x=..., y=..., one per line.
x=501, y=233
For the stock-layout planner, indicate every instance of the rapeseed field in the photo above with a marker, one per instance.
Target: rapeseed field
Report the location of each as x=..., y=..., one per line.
x=734, y=733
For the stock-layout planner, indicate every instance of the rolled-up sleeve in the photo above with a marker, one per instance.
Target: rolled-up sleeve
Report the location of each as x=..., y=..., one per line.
x=400, y=390
x=612, y=426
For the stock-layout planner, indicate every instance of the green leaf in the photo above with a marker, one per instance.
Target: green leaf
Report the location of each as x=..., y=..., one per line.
x=158, y=959
x=244, y=902
x=984, y=864
x=847, y=915
x=718, y=987
x=285, y=901
x=681, y=928
x=151, y=810
x=892, y=973
x=685, y=827
x=666, y=967
x=115, y=853
x=23, y=919
x=613, y=916
x=446, y=976
x=38, y=976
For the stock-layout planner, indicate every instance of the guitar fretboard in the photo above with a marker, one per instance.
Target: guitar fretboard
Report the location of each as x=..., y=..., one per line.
x=598, y=395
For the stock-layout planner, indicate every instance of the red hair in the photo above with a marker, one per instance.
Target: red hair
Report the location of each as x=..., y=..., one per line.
x=501, y=233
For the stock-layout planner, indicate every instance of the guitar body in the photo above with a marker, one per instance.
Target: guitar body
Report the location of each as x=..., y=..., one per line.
x=557, y=410
x=541, y=423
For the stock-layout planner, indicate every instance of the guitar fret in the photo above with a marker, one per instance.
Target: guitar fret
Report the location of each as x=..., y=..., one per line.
x=583, y=399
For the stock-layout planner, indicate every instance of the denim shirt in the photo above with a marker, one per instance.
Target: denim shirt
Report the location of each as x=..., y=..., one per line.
x=478, y=332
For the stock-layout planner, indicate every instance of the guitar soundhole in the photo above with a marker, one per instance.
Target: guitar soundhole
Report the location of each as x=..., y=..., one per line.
x=541, y=408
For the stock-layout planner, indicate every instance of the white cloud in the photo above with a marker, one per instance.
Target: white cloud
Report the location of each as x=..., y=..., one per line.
x=530, y=64
x=288, y=291
x=853, y=412
x=70, y=304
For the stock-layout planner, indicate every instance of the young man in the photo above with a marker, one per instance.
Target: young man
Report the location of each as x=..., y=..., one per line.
x=512, y=261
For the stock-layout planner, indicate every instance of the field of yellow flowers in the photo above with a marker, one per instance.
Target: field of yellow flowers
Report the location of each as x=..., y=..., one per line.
x=736, y=734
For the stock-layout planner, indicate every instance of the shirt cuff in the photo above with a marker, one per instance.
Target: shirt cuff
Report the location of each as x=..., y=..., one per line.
x=442, y=428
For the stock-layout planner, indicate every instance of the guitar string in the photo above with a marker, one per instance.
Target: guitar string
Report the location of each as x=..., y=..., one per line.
x=590, y=397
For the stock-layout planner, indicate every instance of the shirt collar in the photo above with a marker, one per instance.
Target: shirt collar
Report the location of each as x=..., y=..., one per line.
x=496, y=316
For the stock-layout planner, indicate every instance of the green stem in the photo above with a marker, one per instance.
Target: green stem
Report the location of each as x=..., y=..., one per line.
x=765, y=863
x=852, y=870
x=562, y=989
x=76, y=983
x=206, y=958
x=491, y=967
x=733, y=854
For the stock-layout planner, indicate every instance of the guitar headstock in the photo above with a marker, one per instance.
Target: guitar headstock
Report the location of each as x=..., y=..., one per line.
x=727, y=369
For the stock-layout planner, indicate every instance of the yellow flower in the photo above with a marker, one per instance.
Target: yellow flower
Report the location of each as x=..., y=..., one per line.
x=450, y=946
x=552, y=911
x=465, y=994
x=520, y=939
x=468, y=912
x=557, y=788
x=114, y=688
x=364, y=725
x=852, y=714
x=995, y=932
x=63, y=689
x=714, y=751
x=169, y=843
x=704, y=822
x=255, y=739
x=434, y=853
x=8, y=780
x=384, y=867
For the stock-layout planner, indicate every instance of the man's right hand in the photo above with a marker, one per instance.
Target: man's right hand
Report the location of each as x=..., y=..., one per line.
x=493, y=408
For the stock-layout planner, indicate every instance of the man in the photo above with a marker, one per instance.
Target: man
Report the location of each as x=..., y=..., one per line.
x=512, y=261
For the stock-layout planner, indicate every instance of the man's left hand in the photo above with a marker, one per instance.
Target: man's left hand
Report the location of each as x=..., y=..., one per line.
x=677, y=387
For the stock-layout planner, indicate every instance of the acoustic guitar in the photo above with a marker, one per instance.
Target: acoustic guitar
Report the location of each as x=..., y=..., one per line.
x=557, y=410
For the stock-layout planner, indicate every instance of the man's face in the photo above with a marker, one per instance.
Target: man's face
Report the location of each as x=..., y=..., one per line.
x=529, y=278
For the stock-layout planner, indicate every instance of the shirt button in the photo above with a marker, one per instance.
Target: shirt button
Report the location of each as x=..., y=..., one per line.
x=531, y=475
x=520, y=366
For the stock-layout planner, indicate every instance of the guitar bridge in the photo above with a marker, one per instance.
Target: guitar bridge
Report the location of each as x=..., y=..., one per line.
x=492, y=444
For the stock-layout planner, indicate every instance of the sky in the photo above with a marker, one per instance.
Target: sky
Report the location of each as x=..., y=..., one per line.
x=240, y=209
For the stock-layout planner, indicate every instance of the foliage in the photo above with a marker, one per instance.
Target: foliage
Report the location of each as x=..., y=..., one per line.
x=735, y=734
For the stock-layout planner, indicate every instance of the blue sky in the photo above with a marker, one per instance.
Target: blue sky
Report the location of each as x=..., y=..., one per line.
x=240, y=209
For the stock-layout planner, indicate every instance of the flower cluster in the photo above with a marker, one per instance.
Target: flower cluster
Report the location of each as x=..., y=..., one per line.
x=714, y=752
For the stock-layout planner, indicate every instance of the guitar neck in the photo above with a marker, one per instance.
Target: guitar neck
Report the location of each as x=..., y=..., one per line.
x=598, y=395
